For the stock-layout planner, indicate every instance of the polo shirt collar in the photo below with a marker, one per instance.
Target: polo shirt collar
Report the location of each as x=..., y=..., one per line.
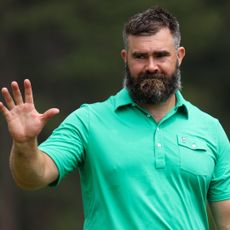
x=181, y=104
x=123, y=99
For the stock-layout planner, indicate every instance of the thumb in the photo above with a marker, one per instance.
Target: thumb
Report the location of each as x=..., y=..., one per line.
x=49, y=114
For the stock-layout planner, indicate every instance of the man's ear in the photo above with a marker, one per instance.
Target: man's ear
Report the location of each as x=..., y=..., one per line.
x=180, y=54
x=124, y=55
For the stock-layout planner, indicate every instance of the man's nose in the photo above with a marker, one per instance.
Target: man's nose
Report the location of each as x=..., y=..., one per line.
x=152, y=66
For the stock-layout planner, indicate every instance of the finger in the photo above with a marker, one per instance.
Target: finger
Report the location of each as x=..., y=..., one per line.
x=49, y=114
x=8, y=99
x=4, y=110
x=16, y=93
x=28, y=91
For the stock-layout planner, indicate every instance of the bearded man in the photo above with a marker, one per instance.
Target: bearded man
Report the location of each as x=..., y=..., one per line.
x=148, y=159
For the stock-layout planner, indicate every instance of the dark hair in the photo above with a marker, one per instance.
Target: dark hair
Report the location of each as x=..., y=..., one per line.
x=150, y=22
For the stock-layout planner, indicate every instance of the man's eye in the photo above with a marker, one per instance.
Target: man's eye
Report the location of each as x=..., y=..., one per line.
x=162, y=54
x=139, y=56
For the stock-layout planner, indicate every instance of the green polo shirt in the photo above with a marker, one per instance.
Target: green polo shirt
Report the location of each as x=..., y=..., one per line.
x=138, y=174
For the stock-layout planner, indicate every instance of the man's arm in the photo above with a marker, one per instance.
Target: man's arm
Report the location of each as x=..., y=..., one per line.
x=30, y=167
x=221, y=214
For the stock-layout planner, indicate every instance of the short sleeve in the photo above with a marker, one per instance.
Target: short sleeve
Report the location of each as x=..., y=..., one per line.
x=219, y=188
x=66, y=145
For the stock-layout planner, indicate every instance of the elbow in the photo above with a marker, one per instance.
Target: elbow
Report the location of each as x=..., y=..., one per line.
x=28, y=187
x=25, y=185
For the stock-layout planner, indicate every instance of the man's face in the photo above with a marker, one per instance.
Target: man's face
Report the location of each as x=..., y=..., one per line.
x=152, y=67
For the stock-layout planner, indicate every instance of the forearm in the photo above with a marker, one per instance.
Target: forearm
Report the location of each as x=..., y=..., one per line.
x=29, y=166
x=221, y=213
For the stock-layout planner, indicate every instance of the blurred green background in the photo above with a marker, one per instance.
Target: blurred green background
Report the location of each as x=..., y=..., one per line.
x=70, y=50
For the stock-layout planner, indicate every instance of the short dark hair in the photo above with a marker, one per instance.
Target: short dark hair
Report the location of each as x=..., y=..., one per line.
x=149, y=22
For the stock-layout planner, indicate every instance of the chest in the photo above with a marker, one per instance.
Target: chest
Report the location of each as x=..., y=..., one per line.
x=148, y=150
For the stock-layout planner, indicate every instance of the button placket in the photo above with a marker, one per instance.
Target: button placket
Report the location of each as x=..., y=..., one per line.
x=159, y=153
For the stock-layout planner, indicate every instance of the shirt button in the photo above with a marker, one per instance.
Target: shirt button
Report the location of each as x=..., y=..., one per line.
x=158, y=145
x=193, y=146
x=183, y=139
x=148, y=115
x=158, y=129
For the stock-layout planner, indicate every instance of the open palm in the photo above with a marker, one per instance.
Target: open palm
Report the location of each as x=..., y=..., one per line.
x=24, y=121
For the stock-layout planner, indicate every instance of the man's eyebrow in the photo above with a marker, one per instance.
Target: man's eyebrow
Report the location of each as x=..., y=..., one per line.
x=161, y=53
x=139, y=53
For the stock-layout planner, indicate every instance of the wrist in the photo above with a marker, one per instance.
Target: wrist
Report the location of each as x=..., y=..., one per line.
x=24, y=148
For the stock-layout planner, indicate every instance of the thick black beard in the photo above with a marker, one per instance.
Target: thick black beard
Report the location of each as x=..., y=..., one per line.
x=152, y=88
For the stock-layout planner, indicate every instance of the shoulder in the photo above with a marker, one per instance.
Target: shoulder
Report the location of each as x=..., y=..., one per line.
x=195, y=113
x=89, y=110
x=98, y=107
x=201, y=120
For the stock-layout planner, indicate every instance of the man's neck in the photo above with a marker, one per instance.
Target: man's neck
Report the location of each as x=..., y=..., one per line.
x=160, y=110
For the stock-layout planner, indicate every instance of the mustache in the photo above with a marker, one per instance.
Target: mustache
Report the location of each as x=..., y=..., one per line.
x=147, y=75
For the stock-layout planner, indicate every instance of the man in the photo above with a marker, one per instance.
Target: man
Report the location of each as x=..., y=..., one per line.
x=148, y=159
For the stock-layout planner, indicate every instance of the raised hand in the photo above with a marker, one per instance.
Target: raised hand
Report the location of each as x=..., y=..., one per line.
x=24, y=121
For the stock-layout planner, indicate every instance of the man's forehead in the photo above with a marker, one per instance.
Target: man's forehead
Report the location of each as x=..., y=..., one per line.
x=150, y=47
x=162, y=38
